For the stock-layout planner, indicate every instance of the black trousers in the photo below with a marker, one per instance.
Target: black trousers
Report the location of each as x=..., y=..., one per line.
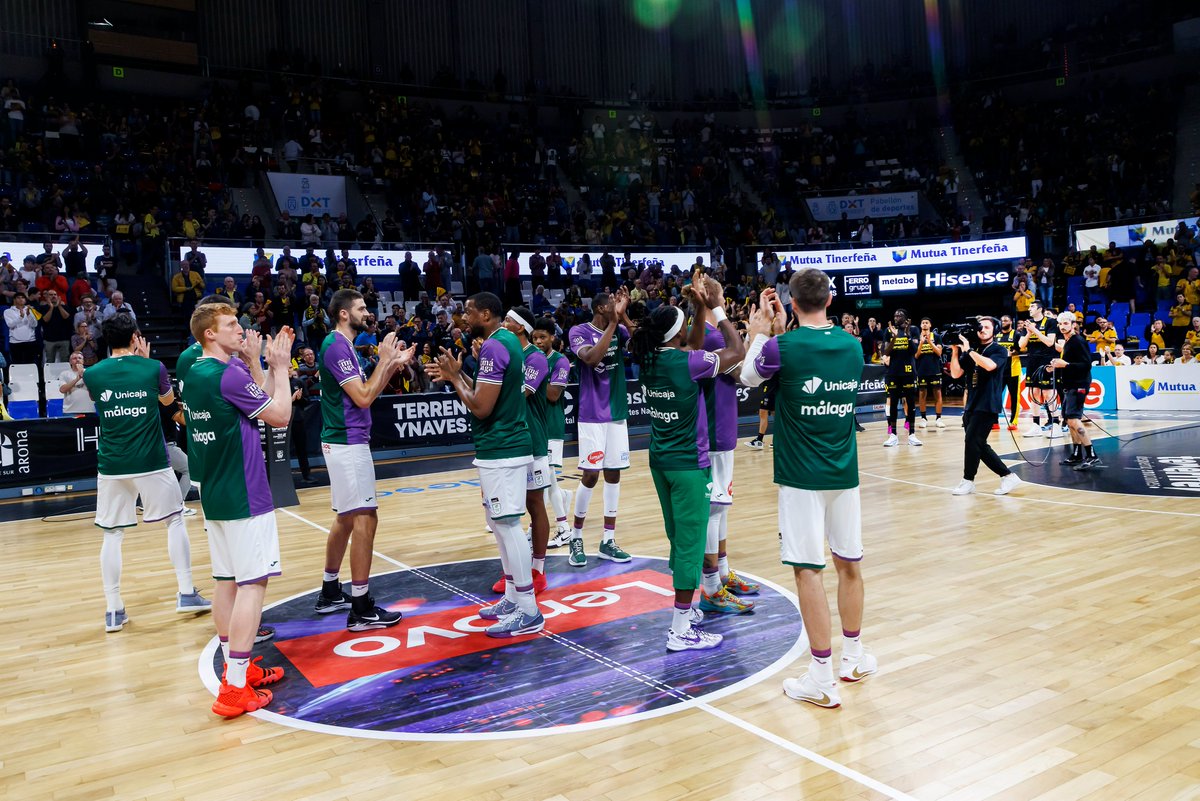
x=909, y=395
x=976, y=448
x=299, y=435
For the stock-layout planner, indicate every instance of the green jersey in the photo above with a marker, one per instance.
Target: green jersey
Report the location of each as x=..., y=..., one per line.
x=560, y=375
x=186, y=360
x=819, y=370
x=126, y=390
x=678, y=417
x=504, y=434
x=537, y=374
x=221, y=402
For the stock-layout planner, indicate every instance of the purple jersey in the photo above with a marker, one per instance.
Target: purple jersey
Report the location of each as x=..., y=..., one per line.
x=602, y=394
x=721, y=399
x=345, y=422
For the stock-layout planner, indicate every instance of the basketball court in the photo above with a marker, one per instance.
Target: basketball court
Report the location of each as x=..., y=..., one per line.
x=1039, y=645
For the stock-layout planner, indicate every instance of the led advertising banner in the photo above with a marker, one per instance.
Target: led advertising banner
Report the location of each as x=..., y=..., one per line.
x=239, y=261
x=856, y=207
x=303, y=194
x=638, y=259
x=1134, y=234
x=945, y=256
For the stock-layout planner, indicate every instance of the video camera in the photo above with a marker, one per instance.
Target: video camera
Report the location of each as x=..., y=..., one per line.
x=968, y=329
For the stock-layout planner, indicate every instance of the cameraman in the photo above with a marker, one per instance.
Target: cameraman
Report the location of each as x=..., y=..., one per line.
x=985, y=387
x=1073, y=371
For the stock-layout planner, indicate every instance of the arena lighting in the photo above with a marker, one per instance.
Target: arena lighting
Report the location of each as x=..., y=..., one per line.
x=102, y=23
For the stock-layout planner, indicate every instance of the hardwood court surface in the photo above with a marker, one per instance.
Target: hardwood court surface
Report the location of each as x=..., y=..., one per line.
x=1039, y=646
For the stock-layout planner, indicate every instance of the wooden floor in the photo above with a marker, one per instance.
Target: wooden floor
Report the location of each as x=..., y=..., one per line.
x=1039, y=646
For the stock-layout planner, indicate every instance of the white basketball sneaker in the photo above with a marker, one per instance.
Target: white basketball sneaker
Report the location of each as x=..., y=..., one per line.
x=891, y=442
x=964, y=488
x=912, y=440
x=806, y=688
x=856, y=669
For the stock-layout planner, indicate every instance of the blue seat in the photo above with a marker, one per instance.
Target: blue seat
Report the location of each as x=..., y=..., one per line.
x=1119, y=312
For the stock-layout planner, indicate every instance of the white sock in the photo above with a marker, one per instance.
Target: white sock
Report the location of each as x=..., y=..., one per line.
x=179, y=548
x=110, y=568
x=821, y=669
x=539, y=564
x=711, y=581
x=235, y=668
x=224, y=648
x=359, y=590
x=612, y=498
x=851, y=646
x=583, y=497
x=681, y=621
x=722, y=561
x=526, y=601
x=558, y=501
x=609, y=534
x=327, y=576
x=714, y=529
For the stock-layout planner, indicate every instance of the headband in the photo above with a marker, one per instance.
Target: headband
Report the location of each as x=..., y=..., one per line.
x=512, y=315
x=678, y=324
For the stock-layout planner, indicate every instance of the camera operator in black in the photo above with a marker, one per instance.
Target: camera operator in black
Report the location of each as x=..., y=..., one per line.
x=899, y=354
x=984, y=369
x=1039, y=336
x=1073, y=373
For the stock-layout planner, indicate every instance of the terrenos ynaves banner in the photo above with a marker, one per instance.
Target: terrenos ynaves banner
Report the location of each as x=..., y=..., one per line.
x=40, y=451
x=856, y=207
x=309, y=194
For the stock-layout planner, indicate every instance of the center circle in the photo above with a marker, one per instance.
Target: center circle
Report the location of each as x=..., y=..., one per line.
x=601, y=660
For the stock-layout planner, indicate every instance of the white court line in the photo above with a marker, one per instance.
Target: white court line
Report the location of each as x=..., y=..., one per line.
x=946, y=490
x=746, y=726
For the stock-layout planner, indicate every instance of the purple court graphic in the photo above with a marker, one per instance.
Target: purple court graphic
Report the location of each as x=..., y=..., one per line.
x=601, y=660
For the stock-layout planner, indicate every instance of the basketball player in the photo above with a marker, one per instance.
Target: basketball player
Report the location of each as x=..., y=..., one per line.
x=673, y=378
x=251, y=356
x=1012, y=375
x=560, y=372
x=603, y=410
x=766, y=408
x=346, y=398
x=816, y=467
x=721, y=586
x=503, y=455
x=899, y=352
x=519, y=322
x=1037, y=341
x=1073, y=371
x=128, y=388
x=984, y=367
x=929, y=373
x=223, y=403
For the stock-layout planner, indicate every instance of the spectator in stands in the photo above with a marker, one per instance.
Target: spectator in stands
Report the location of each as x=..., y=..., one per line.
x=1105, y=336
x=259, y=313
x=83, y=342
x=1091, y=279
x=117, y=305
x=1190, y=286
x=57, y=326
x=48, y=256
x=1116, y=358
x=22, y=323
x=1153, y=356
x=197, y=259
x=89, y=315
x=152, y=251
x=1193, y=335
x=314, y=322
x=187, y=287
x=51, y=281
x=512, y=280
x=286, y=228
x=1022, y=299
x=75, y=258
x=1044, y=280
x=76, y=399
x=1156, y=333
x=1162, y=273
x=229, y=289
x=306, y=395
x=310, y=231
x=283, y=303
x=1123, y=284
x=410, y=276
x=80, y=289
x=1181, y=318
x=367, y=345
x=537, y=267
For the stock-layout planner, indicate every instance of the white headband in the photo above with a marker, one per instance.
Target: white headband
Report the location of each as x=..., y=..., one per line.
x=512, y=315
x=674, y=329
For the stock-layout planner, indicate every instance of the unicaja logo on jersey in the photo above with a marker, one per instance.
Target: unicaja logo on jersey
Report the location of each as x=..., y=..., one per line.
x=1142, y=388
x=816, y=382
x=812, y=384
x=106, y=396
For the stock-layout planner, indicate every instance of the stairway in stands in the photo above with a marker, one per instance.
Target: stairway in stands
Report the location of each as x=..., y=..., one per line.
x=1187, y=149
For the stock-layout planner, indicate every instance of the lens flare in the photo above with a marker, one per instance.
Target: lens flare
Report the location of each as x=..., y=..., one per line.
x=656, y=14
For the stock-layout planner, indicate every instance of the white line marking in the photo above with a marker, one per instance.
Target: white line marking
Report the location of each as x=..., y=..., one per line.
x=206, y=660
x=946, y=490
x=812, y=756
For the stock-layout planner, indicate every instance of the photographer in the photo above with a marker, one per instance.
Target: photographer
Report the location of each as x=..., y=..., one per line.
x=1073, y=371
x=985, y=384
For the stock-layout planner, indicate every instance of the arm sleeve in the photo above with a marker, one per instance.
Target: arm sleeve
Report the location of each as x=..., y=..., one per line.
x=562, y=372
x=493, y=361
x=703, y=364
x=164, y=380
x=761, y=362
x=239, y=389
x=341, y=362
x=578, y=340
